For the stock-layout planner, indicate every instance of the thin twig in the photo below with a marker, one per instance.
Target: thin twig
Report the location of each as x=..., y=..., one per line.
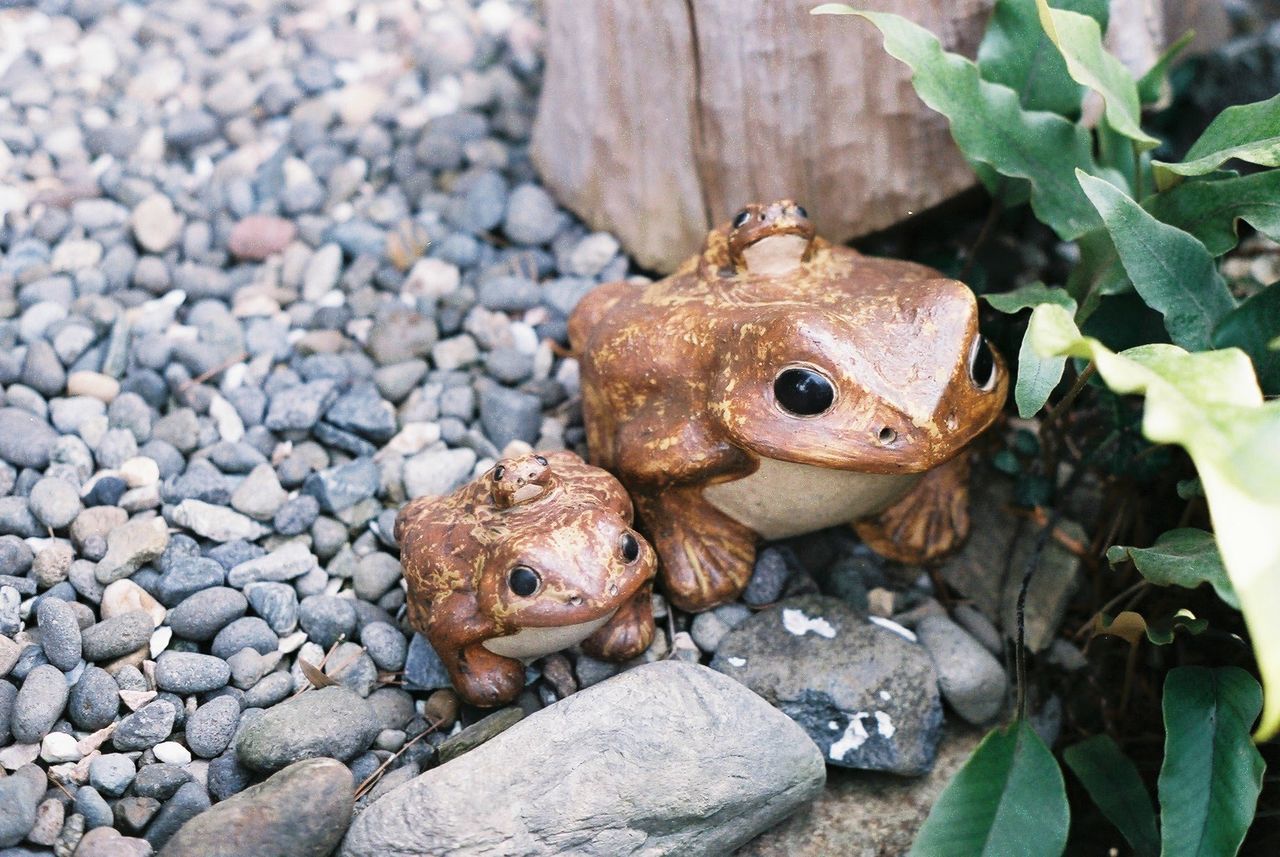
x=372, y=780
x=209, y=373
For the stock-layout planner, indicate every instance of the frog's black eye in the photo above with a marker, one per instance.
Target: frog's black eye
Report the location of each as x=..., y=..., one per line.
x=982, y=364
x=803, y=392
x=523, y=581
x=498, y=473
x=541, y=460
x=630, y=547
x=800, y=212
x=740, y=219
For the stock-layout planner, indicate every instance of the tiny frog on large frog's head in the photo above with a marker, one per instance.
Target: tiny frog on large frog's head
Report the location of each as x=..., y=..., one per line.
x=534, y=556
x=776, y=384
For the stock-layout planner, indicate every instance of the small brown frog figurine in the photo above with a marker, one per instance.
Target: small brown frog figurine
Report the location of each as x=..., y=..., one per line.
x=776, y=384
x=532, y=557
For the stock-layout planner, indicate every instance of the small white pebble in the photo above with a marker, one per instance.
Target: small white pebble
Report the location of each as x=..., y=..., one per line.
x=160, y=638
x=139, y=471
x=171, y=752
x=59, y=747
x=737, y=662
x=799, y=624
x=893, y=626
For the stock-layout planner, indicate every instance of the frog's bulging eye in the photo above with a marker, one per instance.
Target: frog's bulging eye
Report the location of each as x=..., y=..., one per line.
x=740, y=219
x=498, y=473
x=982, y=364
x=541, y=460
x=523, y=581
x=803, y=392
x=800, y=212
x=630, y=547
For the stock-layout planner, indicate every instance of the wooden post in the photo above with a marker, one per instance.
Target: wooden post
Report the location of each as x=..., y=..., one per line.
x=660, y=119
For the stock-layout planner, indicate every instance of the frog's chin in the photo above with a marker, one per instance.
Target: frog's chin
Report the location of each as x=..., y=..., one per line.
x=776, y=255
x=532, y=643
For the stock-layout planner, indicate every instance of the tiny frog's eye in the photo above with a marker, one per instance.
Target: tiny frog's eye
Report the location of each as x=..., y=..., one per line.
x=740, y=219
x=541, y=460
x=630, y=547
x=982, y=364
x=800, y=212
x=498, y=473
x=523, y=581
x=803, y=392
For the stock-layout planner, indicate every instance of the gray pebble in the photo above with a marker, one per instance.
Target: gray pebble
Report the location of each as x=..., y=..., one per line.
x=970, y=678
x=39, y=703
x=211, y=727
x=54, y=502
x=385, y=645
x=326, y=618
x=144, y=728
x=332, y=721
x=111, y=773
x=249, y=632
x=94, y=700
x=25, y=440
x=190, y=672
x=190, y=800
x=768, y=578
x=509, y=415
x=277, y=603
x=96, y=811
x=117, y=636
x=203, y=614
x=59, y=633
x=159, y=781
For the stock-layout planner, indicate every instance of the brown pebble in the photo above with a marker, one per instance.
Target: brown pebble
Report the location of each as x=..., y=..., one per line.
x=442, y=708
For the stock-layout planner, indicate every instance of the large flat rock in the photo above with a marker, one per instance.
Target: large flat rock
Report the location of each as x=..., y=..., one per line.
x=667, y=758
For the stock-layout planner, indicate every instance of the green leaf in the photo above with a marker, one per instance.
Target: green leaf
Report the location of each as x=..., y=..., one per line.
x=1251, y=327
x=1209, y=210
x=1008, y=799
x=1211, y=405
x=1248, y=132
x=1161, y=631
x=1016, y=52
x=1186, y=557
x=1152, y=84
x=1212, y=774
x=1037, y=376
x=1172, y=271
x=1115, y=786
x=990, y=126
x=1079, y=39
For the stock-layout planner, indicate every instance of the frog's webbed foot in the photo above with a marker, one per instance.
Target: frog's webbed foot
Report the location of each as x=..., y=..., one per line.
x=929, y=522
x=628, y=633
x=705, y=556
x=481, y=677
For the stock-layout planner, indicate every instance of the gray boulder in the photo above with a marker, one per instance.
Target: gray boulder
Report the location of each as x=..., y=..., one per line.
x=866, y=694
x=301, y=811
x=668, y=758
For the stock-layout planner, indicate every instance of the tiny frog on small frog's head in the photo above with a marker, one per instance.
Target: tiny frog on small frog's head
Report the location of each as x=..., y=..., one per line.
x=534, y=556
x=776, y=384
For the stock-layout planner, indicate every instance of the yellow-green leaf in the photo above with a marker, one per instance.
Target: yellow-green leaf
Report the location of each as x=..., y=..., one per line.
x=1079, y=39
x=1249, y=132
x=1037, y=376
x=1210, y=404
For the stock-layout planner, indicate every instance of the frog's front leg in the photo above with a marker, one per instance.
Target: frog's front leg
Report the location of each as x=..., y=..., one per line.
x=705, y=557
x=628, y=633
x=457, y=632
x=928, y=522
x=481, y=677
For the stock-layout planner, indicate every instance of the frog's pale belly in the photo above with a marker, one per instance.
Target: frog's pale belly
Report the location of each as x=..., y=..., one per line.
x=784, y=499
x=532, y=643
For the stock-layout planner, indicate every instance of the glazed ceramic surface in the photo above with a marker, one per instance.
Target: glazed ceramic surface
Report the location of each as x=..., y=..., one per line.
x=776, y=384
x=534, y=556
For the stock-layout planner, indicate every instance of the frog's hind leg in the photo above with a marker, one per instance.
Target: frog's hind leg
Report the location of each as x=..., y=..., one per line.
x=929, y=522
x=705, y=556
x=628, y=633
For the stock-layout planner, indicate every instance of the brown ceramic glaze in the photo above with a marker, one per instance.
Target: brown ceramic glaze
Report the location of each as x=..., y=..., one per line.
x=534, y=556
x=776, y=384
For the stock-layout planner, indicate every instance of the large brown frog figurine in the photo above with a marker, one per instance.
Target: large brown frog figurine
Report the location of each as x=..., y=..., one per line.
x=532, y=557
x=776, y=384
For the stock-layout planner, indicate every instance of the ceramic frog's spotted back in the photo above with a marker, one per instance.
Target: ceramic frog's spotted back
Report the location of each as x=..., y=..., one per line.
x=533, y=556
x=777, y=384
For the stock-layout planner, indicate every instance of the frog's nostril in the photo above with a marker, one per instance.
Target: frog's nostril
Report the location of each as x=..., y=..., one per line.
x=575, y=600
x=613, y=589
x=887, y=436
